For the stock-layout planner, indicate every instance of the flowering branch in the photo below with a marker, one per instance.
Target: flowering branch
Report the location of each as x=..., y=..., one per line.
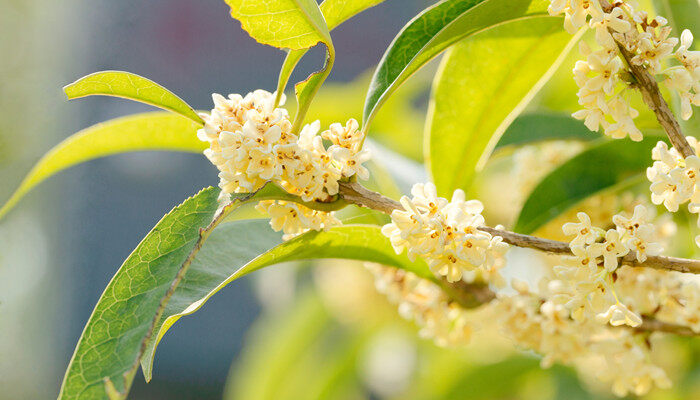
x=651, y=94
x=355, y=193
x=471, y=295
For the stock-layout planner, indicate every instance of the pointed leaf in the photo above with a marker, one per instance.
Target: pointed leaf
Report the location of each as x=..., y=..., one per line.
x=431, y=32
x=483, y=84
x=107, y=355
x=133, y=87
x=230, y=254
x=598, y=168
x=147, y=131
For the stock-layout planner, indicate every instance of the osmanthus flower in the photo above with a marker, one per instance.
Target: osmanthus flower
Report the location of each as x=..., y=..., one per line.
x=294, y=219
x=584, y=233
x=618, y=314
x=424, y=302
x=251, y=143
x=649, y=44
x=445, y=234
x=584, y=284
x=674, y=179
x=616, y=356
x=611, y=249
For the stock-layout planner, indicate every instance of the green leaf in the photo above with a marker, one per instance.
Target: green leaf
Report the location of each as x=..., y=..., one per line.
x=335, y=12
x=483, y=84
x=598, y=168
x=226, y=257
x=107, y=355
x=431, y=32
x=285, y=24
x=148, y=131
x=542, y=126
x=130, y=86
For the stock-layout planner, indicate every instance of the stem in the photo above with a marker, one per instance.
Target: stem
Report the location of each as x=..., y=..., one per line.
x=355, y=193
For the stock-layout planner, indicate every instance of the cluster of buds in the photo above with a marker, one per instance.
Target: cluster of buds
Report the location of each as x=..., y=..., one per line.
x=603, y=77
x=612, y=355
x=422, y=301
x=585, y=287
x=445, y=234
x=252, y=143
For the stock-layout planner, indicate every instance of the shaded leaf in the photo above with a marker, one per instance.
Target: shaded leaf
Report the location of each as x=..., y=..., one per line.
x=542, y=126
x=226, y=257
x=133, y=87
x=147, y=131
x=107, y=355
x=483, y=84
x=595, y=169
x=431, y=32
x=286, y=24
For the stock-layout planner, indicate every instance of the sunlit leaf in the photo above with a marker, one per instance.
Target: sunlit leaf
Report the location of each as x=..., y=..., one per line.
x=484, y=83
x=112, y=342
x=335, y=12
x=598, y=168
x=431, y=32
x=286, y=24
x=148, y=131
x=133, y=87
x=226, y=257
x=542, y=126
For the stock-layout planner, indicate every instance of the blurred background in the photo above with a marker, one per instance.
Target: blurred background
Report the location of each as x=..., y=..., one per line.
x=285, y=333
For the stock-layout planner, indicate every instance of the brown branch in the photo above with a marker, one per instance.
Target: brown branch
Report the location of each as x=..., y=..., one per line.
x=355, y=193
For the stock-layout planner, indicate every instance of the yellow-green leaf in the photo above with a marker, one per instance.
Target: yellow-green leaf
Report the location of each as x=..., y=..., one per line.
x=286, y=24
x=335, y=12
x=483, y=84
x=148, y=131
x=133, y=87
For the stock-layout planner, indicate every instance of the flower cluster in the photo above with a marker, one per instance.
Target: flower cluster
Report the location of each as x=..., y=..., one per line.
x=445, y=234
x=603, y=77
x=424, y=302
x=613, y=355
x=585, y=287
x=533, y=162
x=252, y=143
x=294, y=219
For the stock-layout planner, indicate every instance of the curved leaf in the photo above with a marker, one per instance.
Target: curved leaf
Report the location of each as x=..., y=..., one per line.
x=335, y=12
x=148, y=131
x=229, y=255
x=598, y=168
x=541, y=126
x=133, y=87
x=106, y=357
x=483, y=84
x=431, y=32
x=286, y=24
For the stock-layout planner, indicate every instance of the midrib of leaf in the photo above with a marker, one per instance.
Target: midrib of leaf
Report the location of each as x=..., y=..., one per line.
x=459, y=175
